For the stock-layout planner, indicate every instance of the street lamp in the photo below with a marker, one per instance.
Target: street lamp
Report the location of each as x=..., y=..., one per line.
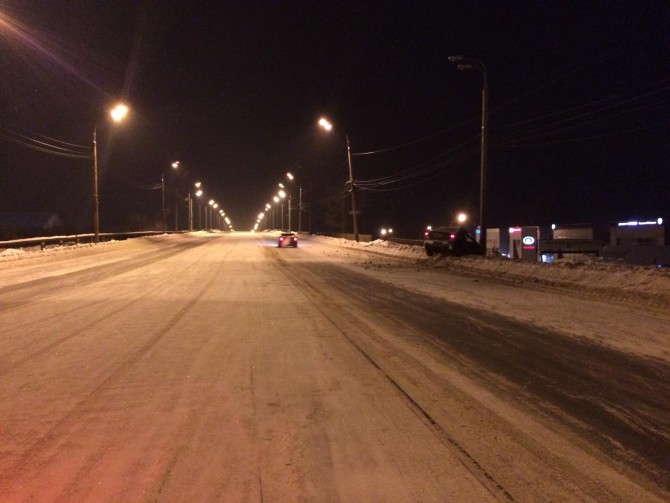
x=198, y=194
x=208, y=211
x=175, y=165
x=474, y=64
x=281, y=196
x=276, y=200
x=325, y=124
x=290, y=176
x=118, y=113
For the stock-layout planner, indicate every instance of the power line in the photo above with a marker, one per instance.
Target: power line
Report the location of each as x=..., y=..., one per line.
x=53, y=146
x=414, y=142
x=581, y=138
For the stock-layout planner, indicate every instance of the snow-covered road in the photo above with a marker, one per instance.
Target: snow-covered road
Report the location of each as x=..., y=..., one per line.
x=213, y=367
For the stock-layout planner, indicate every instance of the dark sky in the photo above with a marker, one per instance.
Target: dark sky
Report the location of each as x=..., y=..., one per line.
x=579, y=108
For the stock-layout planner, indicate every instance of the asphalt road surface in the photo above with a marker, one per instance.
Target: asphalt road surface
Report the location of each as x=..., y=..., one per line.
x=220, y=368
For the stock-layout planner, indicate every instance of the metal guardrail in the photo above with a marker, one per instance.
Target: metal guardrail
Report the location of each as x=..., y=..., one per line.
x=43, y=242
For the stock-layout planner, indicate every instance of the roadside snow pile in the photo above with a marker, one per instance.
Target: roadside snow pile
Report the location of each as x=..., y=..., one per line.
x=640, y=284
x=11, y=253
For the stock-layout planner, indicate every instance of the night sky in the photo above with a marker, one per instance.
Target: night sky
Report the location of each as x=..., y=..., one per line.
x=579, y=109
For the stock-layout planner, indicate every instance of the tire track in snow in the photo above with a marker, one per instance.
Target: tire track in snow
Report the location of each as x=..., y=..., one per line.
x=164, y=280
x=325, y=307
x=570, y=380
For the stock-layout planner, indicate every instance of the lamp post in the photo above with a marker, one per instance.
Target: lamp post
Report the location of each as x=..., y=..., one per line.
x=282, y=196
x=215, y=206
x=207, y=211
x=325, y=124
x=276, y=200
x=474, y=64
x=290, y=177
x=174, y=165
x=198, y=194
x=163, y=198
x=118, y=113
x=300, y=210
x=268, y=207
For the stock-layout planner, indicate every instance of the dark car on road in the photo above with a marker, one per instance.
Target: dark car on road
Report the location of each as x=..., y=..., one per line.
x=456, y=241
x=287, y=239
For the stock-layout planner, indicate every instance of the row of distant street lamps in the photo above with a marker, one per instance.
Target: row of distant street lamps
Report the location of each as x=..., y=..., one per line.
x=118, y=114
x=212, y=210
x=279, y=199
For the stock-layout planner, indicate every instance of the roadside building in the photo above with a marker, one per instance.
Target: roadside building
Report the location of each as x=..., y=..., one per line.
x=642, y=242
x=570, y=242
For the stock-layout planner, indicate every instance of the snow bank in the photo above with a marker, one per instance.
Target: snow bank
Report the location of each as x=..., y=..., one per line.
x=639, y=284
x=11, y=253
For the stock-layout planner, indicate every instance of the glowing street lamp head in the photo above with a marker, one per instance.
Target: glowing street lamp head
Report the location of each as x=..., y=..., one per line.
x=276, y=199
x=198, y=185
x=119, y=112
x=282, y=194
x=175, y=165
x=462, y=217
x=289, y=176
x=211, y=202
x=325, y=124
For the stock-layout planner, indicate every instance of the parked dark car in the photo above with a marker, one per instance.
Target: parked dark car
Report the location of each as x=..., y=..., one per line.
x=450, y=241
x=287, y=239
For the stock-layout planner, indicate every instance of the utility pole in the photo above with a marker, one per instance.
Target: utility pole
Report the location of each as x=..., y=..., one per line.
x=474, y=64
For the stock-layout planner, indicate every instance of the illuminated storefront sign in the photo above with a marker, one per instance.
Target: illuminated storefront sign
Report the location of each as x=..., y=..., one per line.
x=635, y=223
x=529, y=242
